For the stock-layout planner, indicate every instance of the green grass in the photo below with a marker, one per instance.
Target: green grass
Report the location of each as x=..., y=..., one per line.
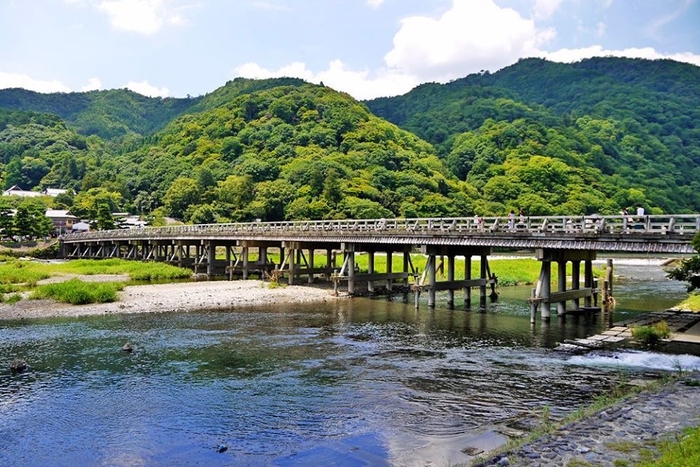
x=137, y=270
x=23, y=272
x=692, y=303
x=682, y=451
x=12, y=299
x=30, y=272
x=77, y=292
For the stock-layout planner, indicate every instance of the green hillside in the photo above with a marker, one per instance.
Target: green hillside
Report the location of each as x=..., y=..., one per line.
x=108, y=114
x=634, y=121
x=590, y=137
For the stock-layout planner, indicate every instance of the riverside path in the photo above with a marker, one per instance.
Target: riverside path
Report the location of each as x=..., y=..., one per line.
x=230, y=249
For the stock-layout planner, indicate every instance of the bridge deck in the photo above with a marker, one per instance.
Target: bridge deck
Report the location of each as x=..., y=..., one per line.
x=671, y=234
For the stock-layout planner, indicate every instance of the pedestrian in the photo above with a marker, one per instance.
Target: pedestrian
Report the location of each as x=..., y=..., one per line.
x=640, y=211
x=640, y=217
x=511, y=219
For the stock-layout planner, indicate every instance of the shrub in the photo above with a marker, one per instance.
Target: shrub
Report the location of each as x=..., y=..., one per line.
x=651, y=335
x=77, y=292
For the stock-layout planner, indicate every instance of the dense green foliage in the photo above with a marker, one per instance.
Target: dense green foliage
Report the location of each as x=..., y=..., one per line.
x=689, y=269
x=107, y=114
x=626, y=128
x=289, y=152
x=583, y=138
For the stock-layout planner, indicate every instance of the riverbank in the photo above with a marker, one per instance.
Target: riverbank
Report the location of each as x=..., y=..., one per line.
x=171, y=297
x=624, y=434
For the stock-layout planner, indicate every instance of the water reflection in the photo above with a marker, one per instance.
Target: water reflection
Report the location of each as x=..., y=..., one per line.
x=366, y=382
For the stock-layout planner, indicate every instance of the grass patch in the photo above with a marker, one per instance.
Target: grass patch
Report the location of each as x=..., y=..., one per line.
x=77, y=292
x=137, y=270
x=650, y=336
x=23, y=272
x=12, y=299
x=682, y=451
x=692, y=303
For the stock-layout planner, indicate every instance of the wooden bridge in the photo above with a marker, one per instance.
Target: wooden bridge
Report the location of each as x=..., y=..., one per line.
x=554, y=239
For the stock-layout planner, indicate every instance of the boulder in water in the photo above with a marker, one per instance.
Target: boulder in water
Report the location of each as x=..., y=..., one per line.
x=18, y=365
x=127, y=347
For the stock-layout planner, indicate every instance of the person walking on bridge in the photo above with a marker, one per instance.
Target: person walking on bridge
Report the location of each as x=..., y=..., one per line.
x=640, y=217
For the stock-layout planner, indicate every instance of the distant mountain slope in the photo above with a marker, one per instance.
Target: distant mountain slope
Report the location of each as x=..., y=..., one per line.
x=634, y=120
x=108, y=114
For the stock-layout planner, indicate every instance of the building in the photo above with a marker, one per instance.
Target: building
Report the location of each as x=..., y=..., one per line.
x=15, y=190
x=62, y=220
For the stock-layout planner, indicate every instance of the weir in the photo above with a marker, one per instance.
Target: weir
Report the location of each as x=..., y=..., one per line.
x=243, y=249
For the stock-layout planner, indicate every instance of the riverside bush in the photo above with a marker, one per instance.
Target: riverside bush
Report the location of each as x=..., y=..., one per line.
x=77, y=292
x=651, y=335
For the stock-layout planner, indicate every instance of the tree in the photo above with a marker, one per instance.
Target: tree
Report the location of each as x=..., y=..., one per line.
x=689, y=269
x=31, y=221
x=182, y=193
x=7, y=226
x=105, y=220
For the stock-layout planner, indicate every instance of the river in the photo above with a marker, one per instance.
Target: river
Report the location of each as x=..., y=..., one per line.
x=353, y=382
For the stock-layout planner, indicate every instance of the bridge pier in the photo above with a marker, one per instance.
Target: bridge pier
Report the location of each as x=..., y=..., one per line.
x=543, y=297
x=451, y=284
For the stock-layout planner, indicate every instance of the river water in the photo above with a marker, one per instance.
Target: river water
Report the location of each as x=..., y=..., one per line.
x=354, y=382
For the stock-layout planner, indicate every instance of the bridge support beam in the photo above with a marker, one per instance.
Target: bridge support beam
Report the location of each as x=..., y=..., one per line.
x=543, y=297
x=452, y=284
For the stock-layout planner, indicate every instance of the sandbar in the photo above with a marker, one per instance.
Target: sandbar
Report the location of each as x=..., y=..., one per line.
x=173, y=297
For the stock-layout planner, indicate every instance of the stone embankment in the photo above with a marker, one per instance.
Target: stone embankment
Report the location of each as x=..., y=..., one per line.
x=618, y=435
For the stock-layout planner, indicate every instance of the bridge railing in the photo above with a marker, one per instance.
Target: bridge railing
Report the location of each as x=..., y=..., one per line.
x=668, y=224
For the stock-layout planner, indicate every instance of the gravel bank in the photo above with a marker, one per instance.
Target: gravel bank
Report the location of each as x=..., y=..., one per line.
x=175, y=297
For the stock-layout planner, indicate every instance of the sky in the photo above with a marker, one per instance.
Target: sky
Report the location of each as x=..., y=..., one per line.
x=367, y=48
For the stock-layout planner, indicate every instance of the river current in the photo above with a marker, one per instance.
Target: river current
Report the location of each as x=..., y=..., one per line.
x=352, y=382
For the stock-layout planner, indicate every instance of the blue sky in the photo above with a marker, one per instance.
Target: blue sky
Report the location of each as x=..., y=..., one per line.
x=368, y=48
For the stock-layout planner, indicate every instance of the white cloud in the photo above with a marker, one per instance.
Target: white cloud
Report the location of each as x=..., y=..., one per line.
x=472, y=35
x=360, y=84
x=546, y=8
x=17, y=80
x=94, y=84
x=141, y=16
x=144, y=88
x=575, y=55
x=293, y=70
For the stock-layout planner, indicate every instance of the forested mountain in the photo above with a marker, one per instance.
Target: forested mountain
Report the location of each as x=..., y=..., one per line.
x=108, y=114
x=635, y=121
x=590, y=137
